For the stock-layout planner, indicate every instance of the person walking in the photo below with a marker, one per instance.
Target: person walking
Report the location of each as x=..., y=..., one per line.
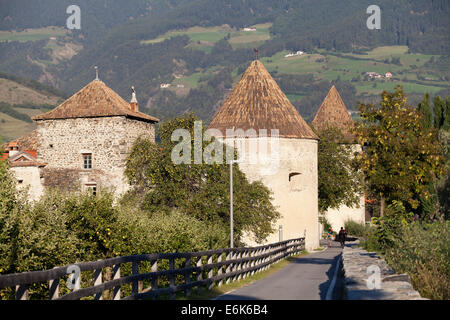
x=329, y=235
x=342, y=235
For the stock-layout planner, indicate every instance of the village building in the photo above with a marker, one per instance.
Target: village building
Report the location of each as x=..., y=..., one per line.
x=258, y=103
x=81, y=144
x=334, y=114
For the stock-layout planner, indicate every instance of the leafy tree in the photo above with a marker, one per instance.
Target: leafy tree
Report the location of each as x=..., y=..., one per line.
x=197, y=190
x=401, y=155
x=340, y=183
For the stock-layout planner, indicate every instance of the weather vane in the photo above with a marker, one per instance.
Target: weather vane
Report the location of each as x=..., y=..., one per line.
x=256, y=53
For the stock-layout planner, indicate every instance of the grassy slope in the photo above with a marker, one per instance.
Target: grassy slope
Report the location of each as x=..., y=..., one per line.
x=11, y=128
x=14, y=93
x=32, y=34
x=206, y=37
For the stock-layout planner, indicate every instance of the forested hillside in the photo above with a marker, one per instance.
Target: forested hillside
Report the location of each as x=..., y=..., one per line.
x=135, y=43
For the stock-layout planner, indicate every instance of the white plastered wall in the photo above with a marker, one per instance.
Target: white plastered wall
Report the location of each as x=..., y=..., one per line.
x=30, y=178
x=296, y=198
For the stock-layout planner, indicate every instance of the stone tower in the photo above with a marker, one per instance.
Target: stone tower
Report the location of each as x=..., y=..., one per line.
x=257, y=103
x=334, y=114
x=84, y=141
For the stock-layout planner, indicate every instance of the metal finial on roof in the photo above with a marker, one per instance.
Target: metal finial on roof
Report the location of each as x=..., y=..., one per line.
x=256, y=53
x=96, y=73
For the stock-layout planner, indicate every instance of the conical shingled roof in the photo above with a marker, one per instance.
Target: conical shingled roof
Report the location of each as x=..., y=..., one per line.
x=257, y=102
x=333, y=113
x=94, y=100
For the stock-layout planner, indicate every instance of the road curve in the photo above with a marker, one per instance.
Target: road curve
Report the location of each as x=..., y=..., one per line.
x=306, y=278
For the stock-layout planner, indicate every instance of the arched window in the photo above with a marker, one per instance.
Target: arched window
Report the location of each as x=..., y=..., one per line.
x=295, y=181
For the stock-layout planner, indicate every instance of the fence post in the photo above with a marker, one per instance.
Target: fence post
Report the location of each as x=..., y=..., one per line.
x=187, y=275
x=228, y=269
x=172, y=277
x=98, y=281
x=22, y=292
x=220, y=271
x=200, y=274
x=134, y=271
x=253, y=262
x=53, y=286
x=211, y=272
x=116, y=275
x=239, y=266
x=244, y=265
x=154, y=278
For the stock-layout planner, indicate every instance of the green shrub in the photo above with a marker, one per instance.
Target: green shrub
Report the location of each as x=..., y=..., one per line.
x=93, y=219
x=416, y=248
x=355, y=229
x=166, y=232
x=421, y=250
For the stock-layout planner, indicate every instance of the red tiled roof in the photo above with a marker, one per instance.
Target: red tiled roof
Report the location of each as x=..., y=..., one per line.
x=94, y=100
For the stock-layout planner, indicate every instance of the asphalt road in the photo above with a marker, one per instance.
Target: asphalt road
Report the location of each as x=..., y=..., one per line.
x=306, y=278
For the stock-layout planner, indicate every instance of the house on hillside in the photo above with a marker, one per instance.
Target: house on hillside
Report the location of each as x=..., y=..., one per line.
x=298, y=53
x=81, y=144
x=373, y=75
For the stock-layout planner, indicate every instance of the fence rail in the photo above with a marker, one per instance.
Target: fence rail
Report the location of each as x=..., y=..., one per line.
x=195, y=269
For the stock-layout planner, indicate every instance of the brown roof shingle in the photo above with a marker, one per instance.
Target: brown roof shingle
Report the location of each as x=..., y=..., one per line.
x=94, y=100
x=257, y=102
x=334, y=114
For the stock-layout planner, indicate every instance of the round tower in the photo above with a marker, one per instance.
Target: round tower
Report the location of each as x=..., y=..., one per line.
x=334, y=114
x=278, y=148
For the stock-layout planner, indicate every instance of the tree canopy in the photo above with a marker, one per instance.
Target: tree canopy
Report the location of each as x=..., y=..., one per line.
x=340, y=182
x=198, y=190
x=401, y=155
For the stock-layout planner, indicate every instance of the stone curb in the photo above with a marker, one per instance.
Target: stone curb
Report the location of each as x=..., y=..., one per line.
x=355, y=264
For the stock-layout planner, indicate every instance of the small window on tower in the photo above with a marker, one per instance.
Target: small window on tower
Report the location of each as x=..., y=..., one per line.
x=295, y=181
x=87, y=161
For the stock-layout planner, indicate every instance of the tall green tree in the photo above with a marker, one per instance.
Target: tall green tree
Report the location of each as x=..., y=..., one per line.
x=439, y=112
x=446, y=125
x=198, y=190
x=402, y=156
x=425, y=108
x=340, y=182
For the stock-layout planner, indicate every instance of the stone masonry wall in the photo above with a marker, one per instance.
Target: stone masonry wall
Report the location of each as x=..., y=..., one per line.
x=355, y=264
x=61, y=144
